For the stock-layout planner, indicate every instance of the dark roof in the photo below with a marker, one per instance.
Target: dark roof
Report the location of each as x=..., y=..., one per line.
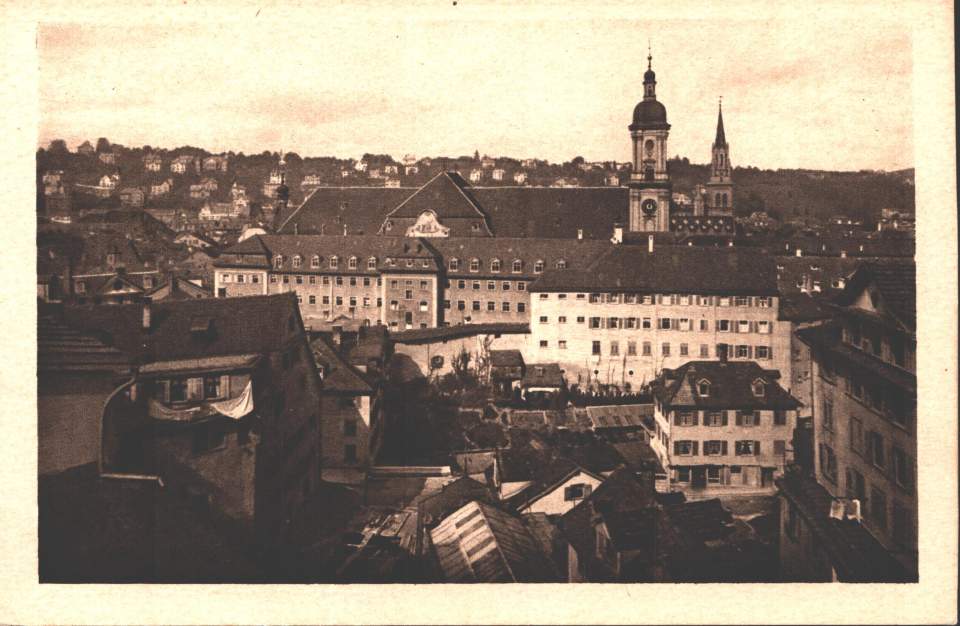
x=506, y=358
x=649, y=114
x=669, y=269
x=338, y=375
x=575, y=254
x=827, y=337
x=437, y=506
x=247, y=325
x=897, y=283
x=547, y=477
x=329, y=209
x=804, y=308
x=429, y=335
x=861, y=558
x=542, y=375
x=63, y=349
x=706, y=520
x=721, y=138
x=731, y=386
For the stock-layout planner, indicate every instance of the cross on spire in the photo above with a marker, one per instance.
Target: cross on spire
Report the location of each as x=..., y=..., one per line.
x=649, y=55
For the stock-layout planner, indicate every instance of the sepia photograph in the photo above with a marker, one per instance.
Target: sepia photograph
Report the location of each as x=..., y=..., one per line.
x=375, y=296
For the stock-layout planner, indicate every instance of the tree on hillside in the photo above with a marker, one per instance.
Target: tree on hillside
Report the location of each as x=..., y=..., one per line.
x=57, y=146
x=103, y=145
x=476, y=155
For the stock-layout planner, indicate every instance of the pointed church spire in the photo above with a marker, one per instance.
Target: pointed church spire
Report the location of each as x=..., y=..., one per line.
x=721, y=137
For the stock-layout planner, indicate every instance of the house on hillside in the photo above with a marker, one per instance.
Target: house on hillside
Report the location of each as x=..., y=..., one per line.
x=498, y=174
x=131, y=197
x=215, y=163
x=109, y=158
x=520, y=178
x=152, y=163
x=161, y=189
x=183, y=164
x=476, y=175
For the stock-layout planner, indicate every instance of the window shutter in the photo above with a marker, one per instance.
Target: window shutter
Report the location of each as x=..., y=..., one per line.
x=225, y=386
x=676, y=418
x=166, y=391
x=723, y=417
x=568, y=492
x=756, y=448
x=749, y=352
x=586, y=490
x=696, y=448
x=194, y=388
x=676, y=447
x=753, y=327
x=770, y=352
x=698, y=418
x=723, y=448
x=739, y=418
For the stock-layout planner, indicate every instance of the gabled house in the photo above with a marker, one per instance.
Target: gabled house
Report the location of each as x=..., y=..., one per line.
x=161, y=188
x=520, y=178
x=182, y=164
x=153, y=163
x=558, y=487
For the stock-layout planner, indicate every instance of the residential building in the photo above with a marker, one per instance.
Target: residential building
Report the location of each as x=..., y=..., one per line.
x=109, y=158
x=723, y=424
x=132, y=197
x=216, y=163
x=634, y=310
x=161, y=189
x=223, y=407
x=183, y=164
x=520, y=178
x=476, y=175
x=498, y=174
x=863, y=479
x=153, y=162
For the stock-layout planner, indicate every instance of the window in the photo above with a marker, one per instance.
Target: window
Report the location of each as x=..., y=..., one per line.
x=315, y=261
x=713, y=472
x=856, y=485
x=743, y=326
x=742, y=301
x=543, y=319
x=748, y=418
x=299, y=279
x=424, y=306
x=703, y=388
x=647, y=348
x=325, y=299
x=408, y=294
x=517, y=266
x=901, y=524
x=614, y=348
x=521, y=307
x=763, y=327
x=663, y=323
x=562, y=344
x=538, y=267
x=704, y=351
x=543, y=343
x=761, y=352
x=372, y=263
x=505, y=307
x=334, y=262
x=764, y=302
x=350, y=427
x=505, y=286
x=461, y=305
x=878, y=507
x=779, y=417
x=828, y=463
x=454, y=265
x=704, y=325
x=576, y=492
x=646, y=323
x=240, y=278
x=594, y=322
x=715, y=418
x=278, y=261
x=685, y=448
x=313, y=300
x=561, y=264
x=742, y=352
x=779, y=447
x=684, y=349
x=856, y=434
x=723, y=326
x=683, y=474
x=596, y=348
x=474, y=265
x=495, y=265
x=704, y=300
x=902, y=468
x=875, y=442
x=475, y=305
x=665, y=349
x=350, y=453
x=581, y=319
x=758, y=388
x=685, y=418
x=827, y=415
x=338, y=300
x=631, y=348
x=491, y=306
x=613, y=322
x=476, y=285
x=747, y=448
x=521, y=286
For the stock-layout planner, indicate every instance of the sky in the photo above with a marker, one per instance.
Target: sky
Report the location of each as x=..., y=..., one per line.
x=819, y=93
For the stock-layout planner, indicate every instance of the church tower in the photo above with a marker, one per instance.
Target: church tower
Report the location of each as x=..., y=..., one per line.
x=719, y=191
x=650, y=187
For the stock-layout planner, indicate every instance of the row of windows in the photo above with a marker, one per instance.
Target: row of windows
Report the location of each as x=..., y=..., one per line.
x=721, y=418
x=496, y=265
x=763, y=327
x=300, y=279
x=870, y=339
x=735, y=352
x=475, y=305
x=353, y=263
x=338, y=300
x=870, y=445
x=720, y=448
x=675, y=299
x=491, y=285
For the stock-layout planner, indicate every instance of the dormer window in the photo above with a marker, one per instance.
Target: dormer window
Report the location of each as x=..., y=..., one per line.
x=517, y=266
x=474, y=265
x=352, y=263
x=334, y=262
x=495, y=265
x=296, y=261
x=315, y=261
x=703, y=388
x=388, y=225
x=278, y=261
x=538, y=267
x=562, y=264
x=475, y=227
x=759, y=388
x=454, y=265
x=372, y=263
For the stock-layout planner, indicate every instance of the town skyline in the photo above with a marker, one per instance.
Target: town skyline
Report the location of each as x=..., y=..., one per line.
x=380, y=97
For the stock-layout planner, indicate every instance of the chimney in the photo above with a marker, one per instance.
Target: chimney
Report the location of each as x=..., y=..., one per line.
x=147, y=314
x=722, y=352
x=617, y=233
x=799, y=252
x=650, y=243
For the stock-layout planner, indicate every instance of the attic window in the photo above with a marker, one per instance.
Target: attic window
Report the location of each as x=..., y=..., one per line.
x=372, y=263
x=315, y=261
x=388, y=225
x=296, y=261
x=759, y=388
x=334, y=262
x=538, y=266
x=703, y=388
x=562, y=264
x=495, y=265
x=474, y=265
x=475, y=227
x=201, y=324
x=517, y=266
x=352, y=263
x=278, y=261
x=454, y=265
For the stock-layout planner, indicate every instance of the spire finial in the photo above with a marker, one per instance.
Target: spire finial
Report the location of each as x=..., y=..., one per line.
x=649, y=55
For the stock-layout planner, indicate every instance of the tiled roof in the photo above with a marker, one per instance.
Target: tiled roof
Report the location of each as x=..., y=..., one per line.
x=63, y=349
x=451, y=497
x=338, y=375
x=803, y=308
x=427, y=335
x=506, y=358
x=480, y=543
x=254, y=324
x=897, y=283
x=547, y=477
x=328, y=210
x=826, y=337
x=669, y=269
x=731, y=386
x=506, y=249
x=542, y=375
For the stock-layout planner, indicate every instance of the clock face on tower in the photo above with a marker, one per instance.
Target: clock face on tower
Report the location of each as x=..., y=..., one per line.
x=649, y=206
x=649, y=146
